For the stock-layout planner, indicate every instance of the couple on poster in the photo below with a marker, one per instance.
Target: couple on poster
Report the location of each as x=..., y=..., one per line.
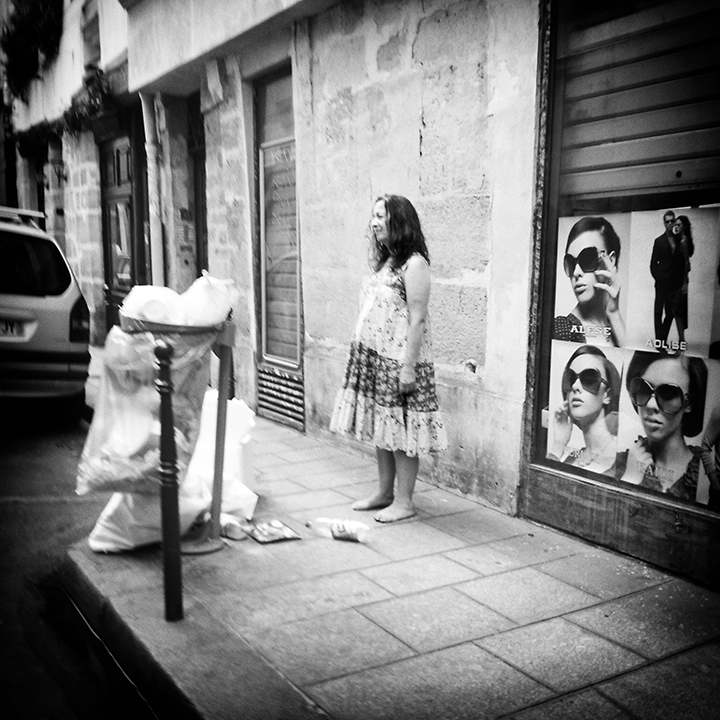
x=633, y=402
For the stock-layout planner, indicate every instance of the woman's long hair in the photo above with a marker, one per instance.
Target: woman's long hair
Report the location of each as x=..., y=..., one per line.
x=687, y=231
x=405, y=235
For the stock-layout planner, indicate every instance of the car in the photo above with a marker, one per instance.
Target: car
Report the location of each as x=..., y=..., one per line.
x=44, y=319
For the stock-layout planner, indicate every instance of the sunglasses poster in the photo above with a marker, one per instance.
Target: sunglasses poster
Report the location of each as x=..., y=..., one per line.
x=634, y=391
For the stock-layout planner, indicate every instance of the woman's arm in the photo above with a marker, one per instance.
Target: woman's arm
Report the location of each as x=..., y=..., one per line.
x=417, y=289
x=617, y=325
x=560, y=431
x=610, y=284
x=638, y=461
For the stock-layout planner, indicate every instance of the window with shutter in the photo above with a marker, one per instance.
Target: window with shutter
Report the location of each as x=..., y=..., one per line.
x=638, y=105
x=280, y=379
x=628, y=362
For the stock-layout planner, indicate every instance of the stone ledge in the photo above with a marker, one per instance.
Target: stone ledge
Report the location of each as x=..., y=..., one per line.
x=194, y=668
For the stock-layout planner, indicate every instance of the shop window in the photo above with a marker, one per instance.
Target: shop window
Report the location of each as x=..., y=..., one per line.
x=630, y=356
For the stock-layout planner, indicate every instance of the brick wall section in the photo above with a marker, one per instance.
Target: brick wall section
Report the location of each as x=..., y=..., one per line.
x=176, y=192
x=55, y=193
x=26, y=184
x=83, y=225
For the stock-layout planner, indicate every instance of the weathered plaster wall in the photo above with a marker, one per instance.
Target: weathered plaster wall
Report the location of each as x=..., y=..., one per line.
x=203, y=26
x=227, y=107
x=176, y=183
x=228, y=110
x=112, y=19
x=436, y=101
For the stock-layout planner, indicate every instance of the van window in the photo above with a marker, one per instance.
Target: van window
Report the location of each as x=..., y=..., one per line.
x=31, y=266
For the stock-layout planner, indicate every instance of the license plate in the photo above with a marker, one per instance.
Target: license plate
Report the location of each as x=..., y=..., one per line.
x=12, y=328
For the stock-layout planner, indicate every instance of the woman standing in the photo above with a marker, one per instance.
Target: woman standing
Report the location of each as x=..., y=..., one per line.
x=668, y=393
x=591, y=260
x=591, y=392
x=684, y=249
x=388, y=396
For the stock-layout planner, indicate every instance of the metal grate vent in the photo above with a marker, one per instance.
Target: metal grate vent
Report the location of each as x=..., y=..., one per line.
x=281, y=397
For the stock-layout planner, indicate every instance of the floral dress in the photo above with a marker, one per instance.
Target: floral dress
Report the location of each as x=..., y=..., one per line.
x=369, y=406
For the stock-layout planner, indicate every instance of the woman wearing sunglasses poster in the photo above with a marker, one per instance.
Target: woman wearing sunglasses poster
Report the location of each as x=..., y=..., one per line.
x=590, y=387
x=668, y=394
x=592, y=254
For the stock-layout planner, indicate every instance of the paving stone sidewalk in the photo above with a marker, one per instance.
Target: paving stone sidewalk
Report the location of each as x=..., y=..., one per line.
x=460, y=612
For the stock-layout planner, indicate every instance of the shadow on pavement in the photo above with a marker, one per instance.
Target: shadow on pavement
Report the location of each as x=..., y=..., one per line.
x=92, y=683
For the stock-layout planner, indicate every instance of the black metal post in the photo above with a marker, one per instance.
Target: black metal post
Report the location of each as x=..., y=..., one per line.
x=169, y=505
x=225, y=351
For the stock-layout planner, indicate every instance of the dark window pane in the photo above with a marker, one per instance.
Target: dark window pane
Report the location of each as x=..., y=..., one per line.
x=275, y=110
x=31, y=266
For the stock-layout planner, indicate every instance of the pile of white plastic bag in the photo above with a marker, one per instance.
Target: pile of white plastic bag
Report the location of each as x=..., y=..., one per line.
x=122, y=449
x=207, y=302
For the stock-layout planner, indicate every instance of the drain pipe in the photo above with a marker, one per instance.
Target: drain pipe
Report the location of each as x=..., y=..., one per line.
x=152, y=151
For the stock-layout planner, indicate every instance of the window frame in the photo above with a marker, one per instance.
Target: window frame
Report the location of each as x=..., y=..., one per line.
x=668, y=532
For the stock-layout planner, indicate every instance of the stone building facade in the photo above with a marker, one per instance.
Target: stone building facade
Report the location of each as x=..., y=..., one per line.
x=319, y=106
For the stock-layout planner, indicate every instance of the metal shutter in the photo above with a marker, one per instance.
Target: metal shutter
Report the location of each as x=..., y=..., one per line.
x=640, y=104
x=281, y=396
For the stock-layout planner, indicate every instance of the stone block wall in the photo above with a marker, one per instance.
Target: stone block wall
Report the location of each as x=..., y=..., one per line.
x=226, y=108
x=435, y=101
x=83, y=225
x=73, y=208
x=432, y=99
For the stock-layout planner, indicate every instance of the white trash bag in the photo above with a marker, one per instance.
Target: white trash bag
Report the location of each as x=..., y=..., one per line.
x=122, y=448
x=238, y=497
x=208, y=301
x=155, y=304
x=131, y=520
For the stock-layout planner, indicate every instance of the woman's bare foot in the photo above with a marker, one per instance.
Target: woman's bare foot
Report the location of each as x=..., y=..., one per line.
x=372, y=503
x=396, y=511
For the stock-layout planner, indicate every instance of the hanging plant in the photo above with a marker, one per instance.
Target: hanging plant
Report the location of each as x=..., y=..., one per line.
x=30, y=39
x=96, y=97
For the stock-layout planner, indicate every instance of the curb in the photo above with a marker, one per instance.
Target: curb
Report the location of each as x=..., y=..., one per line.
x=196, y=668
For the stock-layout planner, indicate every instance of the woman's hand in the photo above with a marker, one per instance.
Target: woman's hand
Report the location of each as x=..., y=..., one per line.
x=609, y=283
x=417, y=288
x=407, y=380
x=608, y=276
x=639, y=460
x=560, y=429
